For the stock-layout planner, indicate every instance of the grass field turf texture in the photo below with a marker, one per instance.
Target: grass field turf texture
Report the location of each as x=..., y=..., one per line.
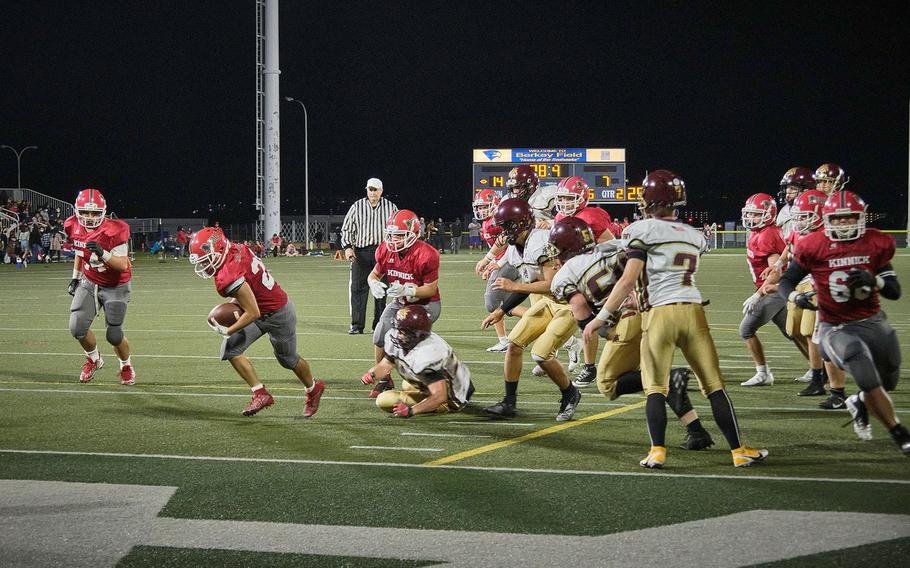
x=353, y=465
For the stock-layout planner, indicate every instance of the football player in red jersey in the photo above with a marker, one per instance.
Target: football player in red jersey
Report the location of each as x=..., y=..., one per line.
x=763, y=248
x=101, y=277
x=484, y=206
x=411, y=267
x=241, y=276
x=851, y=265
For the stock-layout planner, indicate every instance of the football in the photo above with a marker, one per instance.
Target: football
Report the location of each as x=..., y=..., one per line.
x=225, y=314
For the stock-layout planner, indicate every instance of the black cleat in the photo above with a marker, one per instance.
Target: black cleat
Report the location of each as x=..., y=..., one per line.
x=567, y=405
x=587, y=376
x=901, y=437
x=697, y=440
x=833, y=402
x=815, y=388
x=501, y=409
x=677, y=397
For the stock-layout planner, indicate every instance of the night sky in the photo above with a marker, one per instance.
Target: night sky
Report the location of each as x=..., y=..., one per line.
x=153, y=102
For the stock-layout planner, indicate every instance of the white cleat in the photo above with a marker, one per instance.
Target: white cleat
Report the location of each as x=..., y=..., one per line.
x=575, y=349
x=860, y=415
x=759, y=380
x=501, y=346
x=538, y=371
x=807, y=378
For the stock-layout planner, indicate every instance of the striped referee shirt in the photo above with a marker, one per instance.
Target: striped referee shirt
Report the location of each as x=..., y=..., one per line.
x=364, y=225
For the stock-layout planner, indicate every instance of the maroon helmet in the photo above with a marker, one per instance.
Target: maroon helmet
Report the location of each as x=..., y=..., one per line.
x=799, y=177
x=830, y=178
x=570, y=237
x=514, y=216
x=522, y=181
x=413, y=325
x=662, y=188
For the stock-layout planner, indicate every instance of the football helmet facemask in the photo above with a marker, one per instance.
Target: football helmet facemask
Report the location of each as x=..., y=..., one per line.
x=523, y=181
x=412, y=325
x=402, y=230
x=807, y=211
x=840, y=207
x=570, y=237
x=208, y=251
x=796, y=180
x=514, y=217
x=830, y=178
x=571, y=195
x=90, y=208
x=759, y=211
x=485, y=204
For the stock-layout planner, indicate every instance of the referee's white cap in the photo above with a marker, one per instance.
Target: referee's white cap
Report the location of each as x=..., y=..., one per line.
x=374, y=182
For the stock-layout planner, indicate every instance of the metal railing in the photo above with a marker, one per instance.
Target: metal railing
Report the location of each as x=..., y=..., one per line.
x=37, y=200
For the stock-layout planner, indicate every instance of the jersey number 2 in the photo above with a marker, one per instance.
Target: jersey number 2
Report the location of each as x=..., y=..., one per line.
x=267, y=280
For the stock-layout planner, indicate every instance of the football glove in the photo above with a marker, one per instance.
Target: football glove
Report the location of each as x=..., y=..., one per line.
x=750, y=303
x=402, y=411
x=857, y=279
x=804, y=300
x=95, y=247
x=219, y=329
x=368, y=378
x=71, y=287
x=377, y=288
x=397, y=290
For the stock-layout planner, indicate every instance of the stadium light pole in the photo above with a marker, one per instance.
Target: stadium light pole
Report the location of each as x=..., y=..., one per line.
x=306, y=166
x=18, y=154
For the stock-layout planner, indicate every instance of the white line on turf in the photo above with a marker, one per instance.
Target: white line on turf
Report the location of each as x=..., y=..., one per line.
x=395, y=448
x=466, y=467
x=489, y=423
x=432, y=435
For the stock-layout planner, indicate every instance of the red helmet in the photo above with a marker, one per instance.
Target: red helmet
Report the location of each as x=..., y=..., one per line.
x=522, y=181
x=830, y=178
x=514, y=216
x=570, y=237
x=662, y=188
x=799, y=177
x=402, y=230
x=208, y=251
x=844, y=205
x=90, y=208
x=807, y=211
x=762, y=205
x=571, y=195
x=485, y=204
x=413, y=325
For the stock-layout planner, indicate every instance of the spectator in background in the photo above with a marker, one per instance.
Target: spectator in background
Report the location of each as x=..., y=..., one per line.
x=258, y=249
x=56, y=242
x=181, y=242
x=34, y=242
x=46, y=244
x=291, y=250
x=22, y=236
x=456, y=229
x=275, y=244
x=474, y=235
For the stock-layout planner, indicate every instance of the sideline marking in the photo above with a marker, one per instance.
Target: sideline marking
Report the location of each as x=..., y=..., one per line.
x=464, y=467
x=444, y=435
x=534, y=435
x=395, y=448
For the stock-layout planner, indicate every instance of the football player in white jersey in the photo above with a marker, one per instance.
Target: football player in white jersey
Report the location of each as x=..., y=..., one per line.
x=668, y=251
x=585, y=279
x=433, y=379
x=795, y=181
x=547, y=323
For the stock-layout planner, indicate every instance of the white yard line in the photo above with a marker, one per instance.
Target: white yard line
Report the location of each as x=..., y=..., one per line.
x=432, y=435
x=395, y=448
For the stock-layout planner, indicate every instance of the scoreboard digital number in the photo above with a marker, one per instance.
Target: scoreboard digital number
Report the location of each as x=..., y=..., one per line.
x=603, y=169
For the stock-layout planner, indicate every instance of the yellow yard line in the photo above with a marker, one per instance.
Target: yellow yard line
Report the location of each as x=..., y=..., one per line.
x=534, y=435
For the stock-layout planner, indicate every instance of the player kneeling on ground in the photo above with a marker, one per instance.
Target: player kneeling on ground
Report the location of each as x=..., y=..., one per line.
x=241, y=276
x=433, y=378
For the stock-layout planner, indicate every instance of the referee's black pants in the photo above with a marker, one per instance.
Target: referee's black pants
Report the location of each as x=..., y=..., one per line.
x=364, y=263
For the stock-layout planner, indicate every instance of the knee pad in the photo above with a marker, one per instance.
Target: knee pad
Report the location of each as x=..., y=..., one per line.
x=858, y=362
x=78, y=327
x=490, y=303
x=114, y=313
x=538, y=359
x=114, y=334
x=747, y=327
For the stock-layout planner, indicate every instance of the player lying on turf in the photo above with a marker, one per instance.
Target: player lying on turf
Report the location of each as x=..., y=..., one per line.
x=433, y=379
x=241, y=276
x=585, y=279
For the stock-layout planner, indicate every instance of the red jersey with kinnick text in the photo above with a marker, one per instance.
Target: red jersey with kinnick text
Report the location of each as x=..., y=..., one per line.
x=110, y=234
x=419, y=265
x=830, y=262
x=243, y=266
x=489, y=235
x=761, y=244
x=596, y=218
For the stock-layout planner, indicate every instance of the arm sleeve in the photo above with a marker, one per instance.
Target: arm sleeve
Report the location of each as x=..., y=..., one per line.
x=889, y=287
x=347, y=228
x=791, y=278
x=431, y=376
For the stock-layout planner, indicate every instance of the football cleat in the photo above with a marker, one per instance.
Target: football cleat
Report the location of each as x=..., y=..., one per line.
x=538, y=371
x=815, y=388
x=382, y=386
x=765, y=379
x=860, y=414
x=697, y=440
x=806, y=378
x=501, y=346
x=833, y=402
x=587, y=376
x=677, y=395
x=261, y=399
x=312, y=399
x=567, y=404
x=89, y=369
x=902, y=438
x=575, y=349
x=745, y=456
x=127, y=375
x=655, y=458
x=501, y=409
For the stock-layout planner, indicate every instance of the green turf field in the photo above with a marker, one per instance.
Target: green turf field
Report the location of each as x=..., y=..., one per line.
x=354, y=487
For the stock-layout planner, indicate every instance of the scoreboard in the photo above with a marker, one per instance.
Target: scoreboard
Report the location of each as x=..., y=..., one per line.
x=603, y=169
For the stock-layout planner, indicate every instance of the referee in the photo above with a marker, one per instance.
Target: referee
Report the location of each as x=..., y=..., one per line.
x=362, y=231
